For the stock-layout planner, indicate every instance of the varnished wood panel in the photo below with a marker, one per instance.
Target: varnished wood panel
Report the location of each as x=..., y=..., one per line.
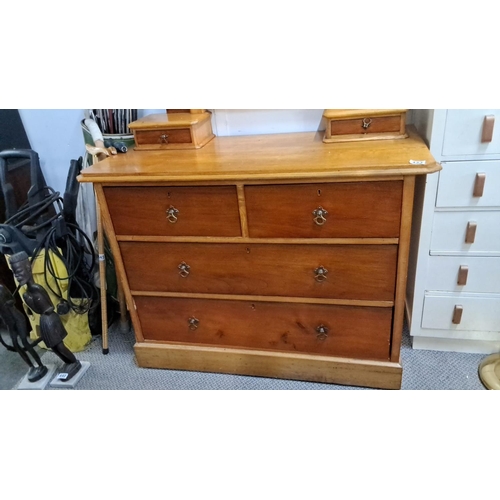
x=353, y=272
x=277, y=156
x=286, y=365
x=360, y=332
x=203, y=211
x=355, y=210
x=378, y=125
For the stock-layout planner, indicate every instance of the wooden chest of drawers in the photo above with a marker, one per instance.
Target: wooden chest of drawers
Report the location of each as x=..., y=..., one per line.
x=275, y=256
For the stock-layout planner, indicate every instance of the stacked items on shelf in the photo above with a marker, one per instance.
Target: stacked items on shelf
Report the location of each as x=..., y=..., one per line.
x=114, y=121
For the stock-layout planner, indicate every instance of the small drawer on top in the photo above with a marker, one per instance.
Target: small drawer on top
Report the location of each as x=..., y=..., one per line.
x=355, y=332
x=174, y=211
x=358, y=272
x=162, y=137
x=330, y=210
x=469, y=184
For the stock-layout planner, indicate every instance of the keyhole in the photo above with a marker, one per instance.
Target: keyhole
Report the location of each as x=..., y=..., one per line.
x=319, y=192
x=253, y=307
x=248, y=250
x=168, y=195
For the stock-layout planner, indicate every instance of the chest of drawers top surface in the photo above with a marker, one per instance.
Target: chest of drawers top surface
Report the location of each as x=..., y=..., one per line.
x=268, y=157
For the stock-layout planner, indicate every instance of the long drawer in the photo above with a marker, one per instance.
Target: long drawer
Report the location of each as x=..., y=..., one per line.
x=463, y=274
x=363, y=272
x=358, y=332
x=330, y=210
x=174, y=211
x=466, y=232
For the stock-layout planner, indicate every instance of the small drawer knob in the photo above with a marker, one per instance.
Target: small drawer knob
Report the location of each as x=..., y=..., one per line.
x=164, y=139
x=193, y=323
x=184, y=269
x=463, y=273
x=470, y=233
x=322, y=332
x=366, y=123
x=320, y=274
x=479, y=185
x=172, y=213
x=320, y=216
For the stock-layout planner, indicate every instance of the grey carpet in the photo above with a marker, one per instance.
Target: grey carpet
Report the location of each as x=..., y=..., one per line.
x=422, y=370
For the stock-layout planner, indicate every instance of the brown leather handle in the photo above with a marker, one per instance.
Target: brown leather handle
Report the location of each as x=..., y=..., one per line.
x=488, y=126
x=479, y=184
x=463, y=272
x=457, y=315
x=470, y=233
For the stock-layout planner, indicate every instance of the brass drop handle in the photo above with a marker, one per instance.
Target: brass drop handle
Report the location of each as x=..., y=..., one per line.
x=463, y=272
x=172, y=214
x=193, y=323
x=320, y=274
x=164, y=138
x=184, y=269
x=322, y=332
x=479, y=184
x=366, y=123
x=457, y=315
x=488, y=126
x=470, y=233
x=320, y=215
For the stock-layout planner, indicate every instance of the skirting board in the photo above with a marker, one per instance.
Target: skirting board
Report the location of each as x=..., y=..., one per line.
x=375, y=374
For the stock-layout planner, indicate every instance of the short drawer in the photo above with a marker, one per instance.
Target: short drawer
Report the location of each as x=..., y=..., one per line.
x=376, y=125
x=174, y=211
x=469, y=184
x=163, y=137
x=357, y=332
x=466, y=232
x=467, y=133
x=459, y=312
x=330, y=210
x=464, y=274
x=362, y=272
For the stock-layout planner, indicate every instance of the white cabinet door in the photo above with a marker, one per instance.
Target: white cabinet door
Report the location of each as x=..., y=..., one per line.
x=450, y=228
x=459, y=181
x=463, y=133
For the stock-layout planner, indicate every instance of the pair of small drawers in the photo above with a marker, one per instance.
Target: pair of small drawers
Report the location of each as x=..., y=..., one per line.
x=279, y=269
x=465, y=248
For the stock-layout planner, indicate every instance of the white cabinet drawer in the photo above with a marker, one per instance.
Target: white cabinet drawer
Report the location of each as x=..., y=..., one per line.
x=478, y=313
x=480, y=274
x=463, y=133
x=459, y=181
x=449, y=231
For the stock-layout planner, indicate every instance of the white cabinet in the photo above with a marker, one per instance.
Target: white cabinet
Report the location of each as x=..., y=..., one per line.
x=453, y=296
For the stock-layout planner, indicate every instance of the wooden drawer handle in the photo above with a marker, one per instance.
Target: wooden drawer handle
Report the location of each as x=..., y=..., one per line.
x=470, y=234
x=463, y=272
x=479, y=184
x=457, y=315
x=488, y=126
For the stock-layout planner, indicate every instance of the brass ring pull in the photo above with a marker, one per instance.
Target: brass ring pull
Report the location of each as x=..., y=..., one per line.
x=366, y=123
x=164, y=139
x=184, y=269
x=193, y=323
x=320, y=274
x=320, y=216
x=172, y=214
x=322, y=332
